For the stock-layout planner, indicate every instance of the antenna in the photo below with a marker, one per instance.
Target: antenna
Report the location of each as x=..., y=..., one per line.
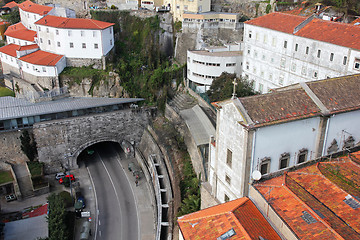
x=256, y=175
x=234, y=90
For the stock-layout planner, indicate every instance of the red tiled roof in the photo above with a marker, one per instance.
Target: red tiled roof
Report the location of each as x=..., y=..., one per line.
x=11, y=4
x=341, y=34
x=320, y=190
x=42, y=58
x=356, y=21
x=29, y=6
x=36, y=212
x=27, y=47
x=19, y=31
x=240, y=215
x=75, y=23
x=9, y=49
x=280, y=106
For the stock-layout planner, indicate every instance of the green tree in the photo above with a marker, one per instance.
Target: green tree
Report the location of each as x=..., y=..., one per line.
x=222, y=87
x=28, y=145
x=57, y=218
x=13, y=17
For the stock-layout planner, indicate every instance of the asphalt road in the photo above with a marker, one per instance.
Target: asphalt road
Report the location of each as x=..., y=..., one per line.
x=117, y=213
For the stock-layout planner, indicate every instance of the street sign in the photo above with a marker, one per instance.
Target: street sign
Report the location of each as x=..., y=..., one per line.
x=85, y=214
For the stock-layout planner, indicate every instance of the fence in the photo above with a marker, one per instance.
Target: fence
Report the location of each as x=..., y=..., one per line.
x=46, y=95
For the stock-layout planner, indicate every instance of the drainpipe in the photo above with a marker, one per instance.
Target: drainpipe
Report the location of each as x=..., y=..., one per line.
x=325, y=137
x=252, y=155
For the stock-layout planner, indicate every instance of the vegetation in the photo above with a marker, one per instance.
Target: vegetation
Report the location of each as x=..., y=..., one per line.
x=347, y=6
x=13, y=17
x=37, y=174
x=222, y=87
x=28, y=145
x=5, y=177
x=60, y=222
x=6, y=92
x=268, y=8
x=66, y=198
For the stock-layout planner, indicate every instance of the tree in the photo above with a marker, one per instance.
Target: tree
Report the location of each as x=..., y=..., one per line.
x=57, y=218
x=222, y=87
x=28, y=145
x=13, y=17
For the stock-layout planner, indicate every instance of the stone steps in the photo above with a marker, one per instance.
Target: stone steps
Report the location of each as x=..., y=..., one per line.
x=182, y=101
x=24, y=181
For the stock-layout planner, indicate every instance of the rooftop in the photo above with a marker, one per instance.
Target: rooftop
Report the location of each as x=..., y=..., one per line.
x=225, y=53
x=239, y=216
x=302, y=199
x=341, y=34
x=11, y=4
x=11, y=108
x=74, y=23
x=42, y=58
x=303, y=100
x=19, y=31
x=9, y=49
x=29, y=6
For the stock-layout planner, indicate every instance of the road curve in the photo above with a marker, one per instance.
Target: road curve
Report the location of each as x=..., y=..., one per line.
x=117, y=212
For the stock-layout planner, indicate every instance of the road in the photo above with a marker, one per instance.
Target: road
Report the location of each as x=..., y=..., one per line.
x=117, y=212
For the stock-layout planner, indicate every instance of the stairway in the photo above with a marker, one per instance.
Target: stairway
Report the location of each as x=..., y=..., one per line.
x=182, y=101
x=24, y=181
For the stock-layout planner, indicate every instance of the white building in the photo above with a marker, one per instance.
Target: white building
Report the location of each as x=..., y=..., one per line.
x=272, y=132
x=20, y=35
x=205, y=65
x=75, y=37
x=282, y=49
x=31, y=12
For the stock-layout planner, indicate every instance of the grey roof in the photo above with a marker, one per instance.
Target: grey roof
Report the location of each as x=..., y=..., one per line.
x=30, y=228
x=11, y=108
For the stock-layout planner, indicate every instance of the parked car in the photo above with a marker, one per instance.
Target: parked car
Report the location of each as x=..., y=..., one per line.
x=10, y=197
x=59, y=175
x=70, y=176
x=81, y=199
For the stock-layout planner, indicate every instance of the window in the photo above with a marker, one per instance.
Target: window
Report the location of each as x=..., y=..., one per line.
x=71, y=45
x=270, y=77
x=83, y=45
x=345, y=60
x=331, y=57
x=318, y=53
x=307, y=50
x=47, y=30
x=296, y=47
x=285, y=44
x=284, y=160
x=226, y=198
x=265, y=39
x=43, y=69
x=110, y=42
x=49, y=42
x=261, y=87
x=293, y=67
x=265, y=165
x=272, y=60
x=27, y=65
x=69, y=33
x=273, y=43
x=110, y=30
x=185, y=7
x=229, y=158
x=58, y=44
x=302, y=155
x=263, y=57
x=82, y=33
x=39, y=29
x=96, y=46
x=315, y=74
x=250, y=34
x=357, y=64
x=255, y=54
x=94, y=33
x=57, y=32
x=41, y=40
x=257, y=36
x=281, y=80
x=303, y=70
x=227, y=179
x=282, y=63
x=231, y=64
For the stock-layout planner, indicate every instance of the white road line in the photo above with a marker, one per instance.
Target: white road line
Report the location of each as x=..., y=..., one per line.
x=137, y=212
x=96, y=204
x=99, y=222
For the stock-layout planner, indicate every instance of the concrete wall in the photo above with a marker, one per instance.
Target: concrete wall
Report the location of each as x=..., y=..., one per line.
x=63, y=140
x=10, y=146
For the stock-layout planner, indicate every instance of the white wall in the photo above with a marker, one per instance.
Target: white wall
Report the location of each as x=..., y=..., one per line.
x=9, y=60
x=28, y=18
x=268, y=63
x=340, y=127
x=107, y=36
x=274, y=140
x=43, y=71
x=18, y=41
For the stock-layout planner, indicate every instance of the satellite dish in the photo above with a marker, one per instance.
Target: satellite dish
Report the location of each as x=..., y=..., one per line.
x=256, y=175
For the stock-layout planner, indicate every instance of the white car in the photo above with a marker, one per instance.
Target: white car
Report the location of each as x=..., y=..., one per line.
x=59, y=175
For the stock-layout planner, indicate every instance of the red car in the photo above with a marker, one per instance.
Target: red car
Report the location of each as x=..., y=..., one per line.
x=61, y=180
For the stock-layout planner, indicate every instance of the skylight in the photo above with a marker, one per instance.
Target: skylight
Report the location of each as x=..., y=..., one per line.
x=354, y=204
x=227, y=235
x=308, y=218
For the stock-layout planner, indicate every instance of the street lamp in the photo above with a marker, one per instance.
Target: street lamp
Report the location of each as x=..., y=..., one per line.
x=67, y=156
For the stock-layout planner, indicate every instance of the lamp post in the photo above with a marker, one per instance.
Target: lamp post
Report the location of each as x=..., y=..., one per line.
x=67, y=156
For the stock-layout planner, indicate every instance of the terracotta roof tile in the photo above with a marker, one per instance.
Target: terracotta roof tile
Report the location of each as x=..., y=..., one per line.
x=356, y=21
x=341, y=34
x=42, y=58
x=320, y=190
x=331, y=92
x=11, y=4
x=29, y=6
x=19, y=31
x=9, y=49
x=281, y=106
x=240, y=215
x=27, y=47
x=76, y=23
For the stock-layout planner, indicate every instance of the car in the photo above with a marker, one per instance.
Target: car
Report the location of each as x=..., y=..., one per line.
x=70, y=176
x=59, y=175
x=81, y=199
x=10, y=197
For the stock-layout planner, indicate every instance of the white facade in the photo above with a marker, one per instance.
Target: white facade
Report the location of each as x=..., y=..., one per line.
x=76, y=43
x=17, y=41
x=248, y=140
x=274, y=59
x=205, y=65
x=29, y=18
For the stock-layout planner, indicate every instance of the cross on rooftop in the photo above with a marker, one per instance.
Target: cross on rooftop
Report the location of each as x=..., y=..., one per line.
x=234, y=93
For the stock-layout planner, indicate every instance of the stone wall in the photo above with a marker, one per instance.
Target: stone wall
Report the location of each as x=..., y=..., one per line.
x=79, y=62
x=61, y=141
x=80, y=7
x=10, y=146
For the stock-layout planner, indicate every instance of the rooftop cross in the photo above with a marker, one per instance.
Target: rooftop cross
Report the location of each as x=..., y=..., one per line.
x=234, y=90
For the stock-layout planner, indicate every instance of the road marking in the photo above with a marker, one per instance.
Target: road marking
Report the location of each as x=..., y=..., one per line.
x=137, y=211
x=99, y=222
x=96, y=204
x=100, y=233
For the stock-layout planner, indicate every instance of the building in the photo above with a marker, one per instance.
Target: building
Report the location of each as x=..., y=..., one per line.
x=213, y=20
x=318, y=201
x=283, y=49
x=179, y=7
x=272, y=132
x=237, y=219
x=203, y=66
x=3, y=26
x=20, y=35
